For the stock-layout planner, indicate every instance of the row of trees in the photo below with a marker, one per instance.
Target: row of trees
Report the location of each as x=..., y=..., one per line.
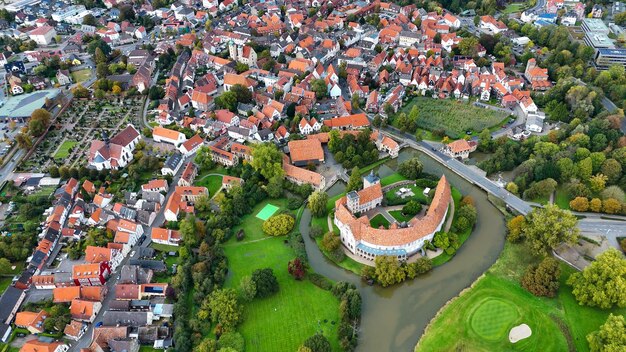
x=389, y=270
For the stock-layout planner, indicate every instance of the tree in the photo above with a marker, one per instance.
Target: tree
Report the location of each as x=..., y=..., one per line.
x=278, y=225
x=598, y=182
x=330, y=241
x=102, y=70
x=156, y=93
x=241, y=67
x=318, y=343
x=317, y=203
x=542, y=279
x=579, y=204
x=319, y=87
x=612, y=169
x=603, y=283
x=413, y=207
x=223, y=308
x=54, y=171
x=247, y=288
x=296, y=268
x=612, y=334
x=546, y=228
x=117, y=90
x=204, y=159
x=274, y=186
x=99, y=56
x=512, y=187
x=411, y=168
x=23, y=141
x=265, y=281
x=469, y=46
x=89, y=20
x=228, y=100
x=5, y=266
x=231, y=341
x=620, y=18
x=388, y=270
x=267, y=160
x=355, y=182
x=243, y=94
x=39, y=121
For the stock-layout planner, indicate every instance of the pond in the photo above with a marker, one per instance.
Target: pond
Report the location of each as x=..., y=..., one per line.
x=393, y=319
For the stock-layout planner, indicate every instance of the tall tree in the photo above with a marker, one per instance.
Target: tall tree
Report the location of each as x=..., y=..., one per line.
x=317, y=203
x=611, y=336
x=355, y=182
x=546, y=228
x=267, y=160
x=603, y=283
x=223, y=308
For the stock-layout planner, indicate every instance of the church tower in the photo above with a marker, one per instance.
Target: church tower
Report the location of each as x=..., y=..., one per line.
x=232, y=49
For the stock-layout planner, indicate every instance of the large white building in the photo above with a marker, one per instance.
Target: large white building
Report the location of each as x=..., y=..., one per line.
x=42, y=35
x=115, y=153
x=401, y=241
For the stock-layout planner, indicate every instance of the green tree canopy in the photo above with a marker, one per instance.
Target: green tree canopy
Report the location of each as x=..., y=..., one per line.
x=546, y=228
x=611, y=337
x=603, y=283
x=267, y=160
x=317, y=203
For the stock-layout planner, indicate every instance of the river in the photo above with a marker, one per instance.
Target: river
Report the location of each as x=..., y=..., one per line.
x=393, y=319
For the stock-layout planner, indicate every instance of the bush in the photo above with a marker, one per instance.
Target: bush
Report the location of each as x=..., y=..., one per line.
x=318, y=343
x=294, y=203
x=412, y=208
x=320, y=281
x=411, y=168
x=330, y=242
x=265, y=281
x=542, y=279
x=296, y=242
x=279, y=225
x=315, y=232
x=232, y=340
x=425, y=183
x=579, y=204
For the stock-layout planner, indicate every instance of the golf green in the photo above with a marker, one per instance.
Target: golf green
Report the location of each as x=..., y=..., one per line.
x=493, y=318
x=266, y=212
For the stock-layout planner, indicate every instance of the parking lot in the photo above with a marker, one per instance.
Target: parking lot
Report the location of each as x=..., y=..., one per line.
x=8, y=131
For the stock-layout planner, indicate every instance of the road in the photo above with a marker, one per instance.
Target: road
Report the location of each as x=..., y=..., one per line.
x=539, y=5
x=112, y=281
x=588, y=225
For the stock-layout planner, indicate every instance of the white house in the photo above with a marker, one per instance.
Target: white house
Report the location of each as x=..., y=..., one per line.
x=191, y=146
x=308, y=127
x=534, y=122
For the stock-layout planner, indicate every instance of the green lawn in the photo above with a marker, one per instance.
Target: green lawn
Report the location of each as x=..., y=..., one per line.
x=514, y=7
x=299, y=309
x=213, y=183
x=164, y=247
x=418, y=194
x=393, y=178
x=331, y=202
x=251, y=225
x=5, y=281
x=452, y=116
x=321, y=223
x=64, y=150
x=553, y=321
x=562, y=198
x=81, y=75
x=378, y=221
x=397, y=214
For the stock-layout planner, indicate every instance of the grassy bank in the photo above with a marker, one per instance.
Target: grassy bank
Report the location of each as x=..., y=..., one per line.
x=557, y=324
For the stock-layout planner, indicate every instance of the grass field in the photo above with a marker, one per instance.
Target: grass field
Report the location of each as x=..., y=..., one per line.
x=393, y=178
x=164, y=247
x=493, y=318
x=378, y=221
x=553, y=321
x=397, y=214
x=299, y=309
x=81, y=75
x=418, y=194
x=64, y=150
x=212, y=182
x=514, y=7
x=454, y=117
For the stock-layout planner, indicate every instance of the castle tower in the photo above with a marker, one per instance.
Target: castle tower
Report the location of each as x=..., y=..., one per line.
x=232, y=49
x=370, y=180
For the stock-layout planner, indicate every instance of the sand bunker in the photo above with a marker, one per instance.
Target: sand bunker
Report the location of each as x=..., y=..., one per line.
x=519, y=333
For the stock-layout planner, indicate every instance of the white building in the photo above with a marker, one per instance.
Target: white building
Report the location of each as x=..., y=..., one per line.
x=399, y=240
x=42, y=35
x=115, y=153
x=165, y=135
